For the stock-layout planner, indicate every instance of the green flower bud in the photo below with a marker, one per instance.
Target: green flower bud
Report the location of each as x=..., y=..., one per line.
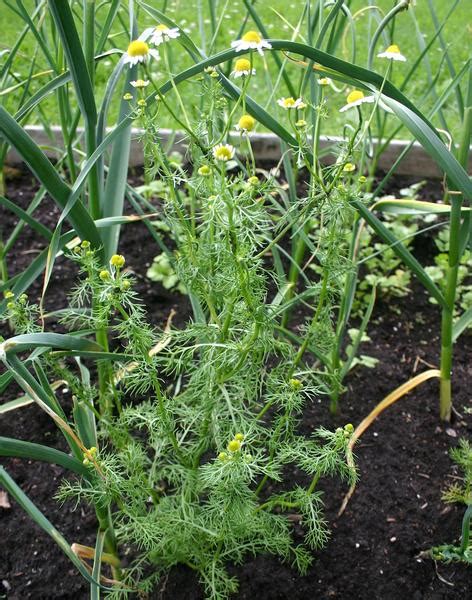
x=234, y=446
x=204, y=171
x=296, y=384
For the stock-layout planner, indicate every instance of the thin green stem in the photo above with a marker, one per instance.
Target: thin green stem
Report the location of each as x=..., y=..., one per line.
x=447, y=315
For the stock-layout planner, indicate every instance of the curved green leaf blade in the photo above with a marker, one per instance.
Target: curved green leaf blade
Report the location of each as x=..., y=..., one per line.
x=401, y=251
x=22, y=449
x=414, y=207
x=33, y=511
x=30, y=341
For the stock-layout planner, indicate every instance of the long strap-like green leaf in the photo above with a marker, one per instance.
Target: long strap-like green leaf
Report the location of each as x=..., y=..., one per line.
x=401, y=251
x=22, y=449
x=38, y=162
x=33, y=511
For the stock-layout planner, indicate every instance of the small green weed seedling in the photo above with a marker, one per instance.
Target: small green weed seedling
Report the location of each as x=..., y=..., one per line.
x=460, y=493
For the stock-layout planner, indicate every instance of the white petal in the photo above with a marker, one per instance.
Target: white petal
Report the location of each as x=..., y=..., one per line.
x=146, y=33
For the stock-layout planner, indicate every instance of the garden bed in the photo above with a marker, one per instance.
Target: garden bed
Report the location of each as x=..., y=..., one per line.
x=396, y=513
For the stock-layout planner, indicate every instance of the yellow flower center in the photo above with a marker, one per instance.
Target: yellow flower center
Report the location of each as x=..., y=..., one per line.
x=288, y=102
x=140, y=83
x=223, y=153
x=162, y=27
x=242, y=64
x=393, y=49
x=349, y=167
x=246, y=122
x=355, y=96
x=252, y=36
x=138, y=48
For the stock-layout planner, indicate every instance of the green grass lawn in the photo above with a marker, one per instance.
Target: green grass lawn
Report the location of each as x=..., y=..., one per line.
x=280, y=18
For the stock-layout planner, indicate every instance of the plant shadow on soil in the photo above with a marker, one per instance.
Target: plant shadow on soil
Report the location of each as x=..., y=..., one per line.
x=395, y=513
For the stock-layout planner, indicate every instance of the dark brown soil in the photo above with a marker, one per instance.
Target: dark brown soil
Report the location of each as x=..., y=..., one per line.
x=396, y=511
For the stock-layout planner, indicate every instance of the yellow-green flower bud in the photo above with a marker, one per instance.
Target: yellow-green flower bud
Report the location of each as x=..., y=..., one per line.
x=348, y=429
x=8, y=294
x=296, y=384
x=128, y=96
x=253, y=180
x=10, y=305
x=125, y=285
x=104, y=275
x=204, y=171
x=142, y=102
x=239, y=437
x=300, y=123
x=117, y=260
x=234, y=446
x=362, y=179
x=223, y=456
x=85, y=244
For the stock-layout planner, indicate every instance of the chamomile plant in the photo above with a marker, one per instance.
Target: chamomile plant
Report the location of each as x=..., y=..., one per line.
x=185, y=441
x=182, y=474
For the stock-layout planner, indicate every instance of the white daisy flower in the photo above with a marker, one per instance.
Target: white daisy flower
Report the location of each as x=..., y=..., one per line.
x=140, y=83
x=325, y=81
x=139, y=52
x=160, y=34
x=392, y=53
x=223, y=152
x=289, y=103
x=251, y=41
x=242, y=68
x=356, y=98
